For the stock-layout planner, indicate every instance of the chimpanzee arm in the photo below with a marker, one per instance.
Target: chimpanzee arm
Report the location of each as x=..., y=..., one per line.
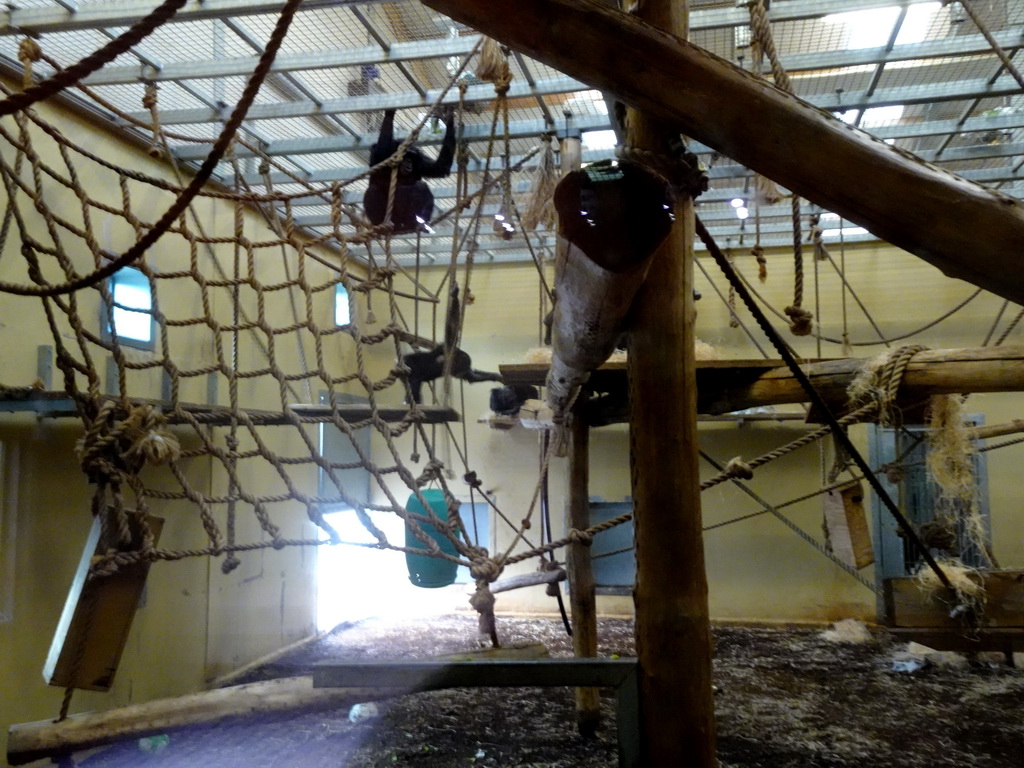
x=443, y=165
x=382, y=150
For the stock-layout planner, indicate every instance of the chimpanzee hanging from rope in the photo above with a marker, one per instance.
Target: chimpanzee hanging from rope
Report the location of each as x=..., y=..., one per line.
x=414, y=203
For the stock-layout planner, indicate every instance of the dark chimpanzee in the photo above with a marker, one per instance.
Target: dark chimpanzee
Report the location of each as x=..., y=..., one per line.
x=507, y=400
x=429, y=365
x=414, y=202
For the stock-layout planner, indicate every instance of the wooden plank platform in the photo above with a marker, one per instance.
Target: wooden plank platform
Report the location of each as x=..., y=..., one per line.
x=907, y=605
x=55, y=404
x=714, y=377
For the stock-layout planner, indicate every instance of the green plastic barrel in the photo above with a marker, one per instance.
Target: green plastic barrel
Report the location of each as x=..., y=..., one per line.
x=426, y=571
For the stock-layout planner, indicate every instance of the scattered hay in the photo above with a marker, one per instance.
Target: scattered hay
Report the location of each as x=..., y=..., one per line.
x=866, y=386
x=966, y=581
x=951, y=464
x=950, y=448
x=850, y=631
x=538, y=356
x=704, y=351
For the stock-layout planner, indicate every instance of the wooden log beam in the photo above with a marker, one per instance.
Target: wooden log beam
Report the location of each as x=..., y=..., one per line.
x=931, y=372
x=965, y=230
x=533, y=579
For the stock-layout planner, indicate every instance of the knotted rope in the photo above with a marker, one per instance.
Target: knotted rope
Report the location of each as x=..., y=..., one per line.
x=117, y=444
x=801, y=320
x=29, y=52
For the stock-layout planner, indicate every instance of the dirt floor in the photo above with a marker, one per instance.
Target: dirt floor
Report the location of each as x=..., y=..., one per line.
x=786, y=697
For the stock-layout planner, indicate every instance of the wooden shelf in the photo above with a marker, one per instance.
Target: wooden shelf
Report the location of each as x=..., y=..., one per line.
x=715, y=380
x=58, y=405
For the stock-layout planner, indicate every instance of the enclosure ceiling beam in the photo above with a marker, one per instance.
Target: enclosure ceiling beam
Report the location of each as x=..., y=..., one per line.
x=518, y=129
x=408, y=100
x=126, y=12
x=241, y=66
x=731, y=171
x=827, y=99
x=526, y=129
x=778, y=234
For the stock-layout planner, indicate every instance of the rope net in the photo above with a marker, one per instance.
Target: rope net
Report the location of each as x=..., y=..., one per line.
x=194, y=326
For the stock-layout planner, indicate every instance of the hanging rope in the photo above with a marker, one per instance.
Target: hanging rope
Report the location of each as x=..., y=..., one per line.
x=764, y=41
x=816, y=399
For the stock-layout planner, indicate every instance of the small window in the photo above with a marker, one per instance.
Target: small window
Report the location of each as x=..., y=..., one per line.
x=342, y=310
x=131, y=316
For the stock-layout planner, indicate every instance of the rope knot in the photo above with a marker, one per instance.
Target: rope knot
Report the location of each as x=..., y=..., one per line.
x=115, y=446
x=149, y=96
x=472, y=480
x=801, y=320
x=738, y=468
x=577, y=536
x=762, y=263
x=29, y=52
x=431, y=472
x=486, y=569
x=483, y=599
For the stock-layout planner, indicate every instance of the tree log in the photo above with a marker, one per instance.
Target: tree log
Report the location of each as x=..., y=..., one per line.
x=32, y=741
x=931, y=372
x=673, y=630
x=964, y=229
x=533, y=579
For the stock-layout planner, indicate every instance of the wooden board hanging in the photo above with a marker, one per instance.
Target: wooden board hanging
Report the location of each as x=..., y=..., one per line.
x=97, y=616
x=847, y=525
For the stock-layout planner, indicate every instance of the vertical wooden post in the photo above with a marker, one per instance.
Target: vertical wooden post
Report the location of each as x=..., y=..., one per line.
x=582, y=598
x=673, y=635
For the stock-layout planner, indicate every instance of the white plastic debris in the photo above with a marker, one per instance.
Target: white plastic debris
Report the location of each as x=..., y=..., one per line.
x=360, y=713
x=908, y=663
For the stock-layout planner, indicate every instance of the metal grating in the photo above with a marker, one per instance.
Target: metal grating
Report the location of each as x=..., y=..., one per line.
x=916, y=73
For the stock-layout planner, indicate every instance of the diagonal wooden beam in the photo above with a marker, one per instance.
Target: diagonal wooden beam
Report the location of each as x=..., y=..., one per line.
x=965, y=230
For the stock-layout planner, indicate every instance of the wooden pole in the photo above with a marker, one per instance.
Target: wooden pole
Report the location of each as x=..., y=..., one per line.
x=582, y=595
x=673, y=632
x=962, y=228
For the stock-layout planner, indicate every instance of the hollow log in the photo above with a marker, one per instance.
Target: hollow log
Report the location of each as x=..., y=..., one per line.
x=611, y=217
x=33, y=741
x=964, y=229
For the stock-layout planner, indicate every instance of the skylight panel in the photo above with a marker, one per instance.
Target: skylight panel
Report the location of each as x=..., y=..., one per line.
x=872, y=28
